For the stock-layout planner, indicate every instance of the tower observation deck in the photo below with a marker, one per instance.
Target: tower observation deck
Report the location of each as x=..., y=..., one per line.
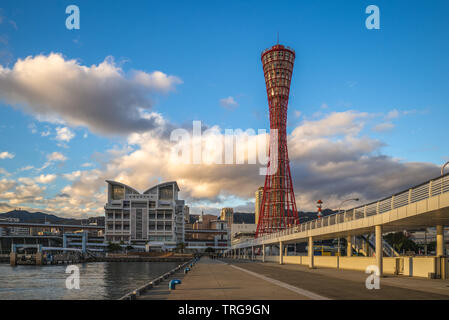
x=278, y=209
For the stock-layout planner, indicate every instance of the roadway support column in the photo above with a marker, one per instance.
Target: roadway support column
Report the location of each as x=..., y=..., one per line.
x=263, y=253
x=310, y=252
x=440, y=251
x=349, y=246
x=440, y=241
x=252, y=253
x=379, y=249
x=84, y=242
x=281, y=253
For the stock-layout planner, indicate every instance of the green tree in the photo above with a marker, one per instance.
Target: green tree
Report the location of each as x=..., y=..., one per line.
x=114, y=247
x=401, y=242
x=180, y=247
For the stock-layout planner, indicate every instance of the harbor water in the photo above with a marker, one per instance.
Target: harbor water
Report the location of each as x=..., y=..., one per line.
x=98, y=280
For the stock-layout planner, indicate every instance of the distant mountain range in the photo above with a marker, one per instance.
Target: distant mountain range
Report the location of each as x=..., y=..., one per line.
x=40, y=217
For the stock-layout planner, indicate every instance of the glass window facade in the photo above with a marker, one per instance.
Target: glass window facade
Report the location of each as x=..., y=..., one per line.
x=118, y=193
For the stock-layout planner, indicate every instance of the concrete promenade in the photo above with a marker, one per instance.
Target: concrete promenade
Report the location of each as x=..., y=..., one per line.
x=244, y=280
x=216, y=280
x=348, y=284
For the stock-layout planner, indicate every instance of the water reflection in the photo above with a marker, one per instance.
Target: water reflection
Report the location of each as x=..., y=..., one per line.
x=102, y=280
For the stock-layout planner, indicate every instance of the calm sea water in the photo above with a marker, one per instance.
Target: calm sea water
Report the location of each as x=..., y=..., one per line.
x=98, y=280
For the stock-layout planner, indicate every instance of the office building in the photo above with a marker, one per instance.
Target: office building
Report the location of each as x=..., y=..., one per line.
x=154, y=216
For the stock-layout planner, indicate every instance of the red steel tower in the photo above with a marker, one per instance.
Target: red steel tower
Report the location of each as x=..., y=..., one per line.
x=278, y=208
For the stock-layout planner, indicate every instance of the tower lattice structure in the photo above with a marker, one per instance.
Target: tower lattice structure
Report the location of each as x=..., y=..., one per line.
x=278, y=209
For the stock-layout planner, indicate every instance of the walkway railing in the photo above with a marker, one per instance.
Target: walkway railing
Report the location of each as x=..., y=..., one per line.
x=426, y=190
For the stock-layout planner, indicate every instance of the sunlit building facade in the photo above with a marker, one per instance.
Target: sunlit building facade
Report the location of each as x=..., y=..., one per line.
x=226, y=215
x=156, y=215
x=258, y=203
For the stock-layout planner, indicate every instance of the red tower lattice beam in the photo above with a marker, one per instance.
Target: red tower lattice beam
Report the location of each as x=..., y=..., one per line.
x=278, y=209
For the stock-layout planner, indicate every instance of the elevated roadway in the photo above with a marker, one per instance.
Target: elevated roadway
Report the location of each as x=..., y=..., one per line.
x=424, y=205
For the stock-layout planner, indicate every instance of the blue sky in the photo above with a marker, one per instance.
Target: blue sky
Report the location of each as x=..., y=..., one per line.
x=398, y=75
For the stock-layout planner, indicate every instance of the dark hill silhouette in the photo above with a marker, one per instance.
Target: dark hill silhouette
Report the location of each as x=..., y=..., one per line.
x=40, y=217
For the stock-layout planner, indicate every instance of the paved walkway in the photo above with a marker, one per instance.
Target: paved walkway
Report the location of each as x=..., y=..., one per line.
x=242, y=280
x=215, y=280
x=346, y=284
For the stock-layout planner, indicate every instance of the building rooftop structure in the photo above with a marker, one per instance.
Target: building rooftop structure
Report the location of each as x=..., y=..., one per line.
x=156, y=215
x=243, y=217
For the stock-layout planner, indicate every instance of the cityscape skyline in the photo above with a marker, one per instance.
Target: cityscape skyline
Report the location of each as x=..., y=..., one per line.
x=366, y=105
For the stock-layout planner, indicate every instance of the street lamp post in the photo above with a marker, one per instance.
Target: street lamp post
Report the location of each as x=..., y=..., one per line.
x=442, y=168
x=339, y=209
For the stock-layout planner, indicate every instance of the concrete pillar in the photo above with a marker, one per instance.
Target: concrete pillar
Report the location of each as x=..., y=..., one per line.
x=13, y=259
x=252, y=253
x=39, y=258
x=379, y=249
x=310, y=252
x=281, y=253
x=84, y=242
x=64, y=241
x=440, y=241
x=263, y=253
x=349, y=246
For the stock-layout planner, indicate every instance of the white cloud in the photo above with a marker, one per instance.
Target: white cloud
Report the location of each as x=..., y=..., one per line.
x=25, y=190
x=228, y=103
x=73, y=175
x=64, y=134
x=101, y=97
x=46, y=178
x=45, y=133
x=56, y=156
x=393, y=114
x=329, y=159
x=156, y=80
x=329, y=164
x=6, y=155
x=31, y=126
x=382, y=127
x=337, y=123
x=6, y=185
x=52, y=158
x=87, y=164
x=26, y=168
